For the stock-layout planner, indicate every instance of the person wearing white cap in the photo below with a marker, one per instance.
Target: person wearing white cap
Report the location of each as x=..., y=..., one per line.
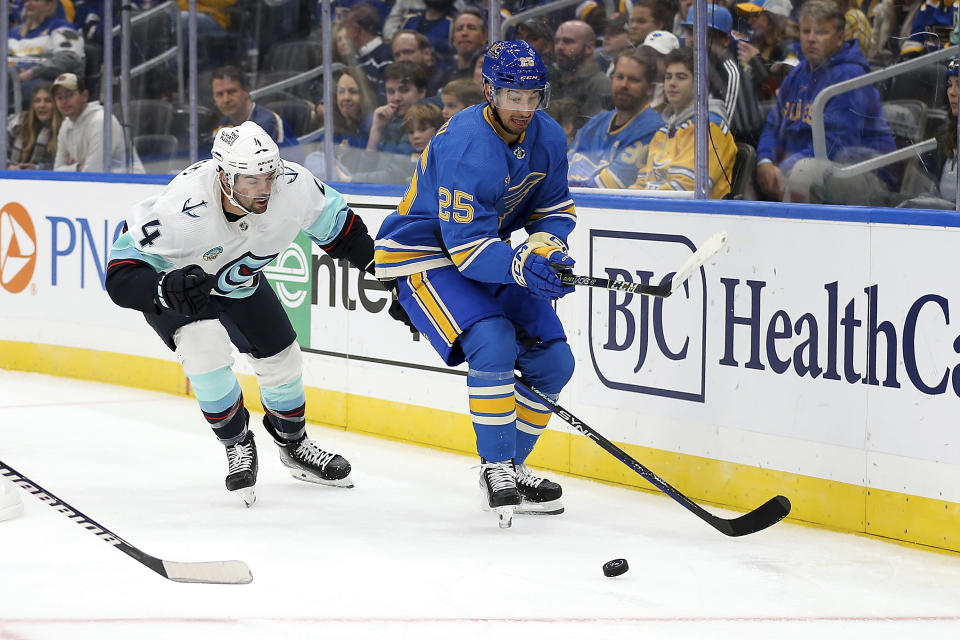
x=80, y=140
x=659, y=44
x=770, y=53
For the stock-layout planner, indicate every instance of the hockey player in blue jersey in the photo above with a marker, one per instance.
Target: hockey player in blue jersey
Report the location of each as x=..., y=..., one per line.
x=493, y=169
x=190, y=260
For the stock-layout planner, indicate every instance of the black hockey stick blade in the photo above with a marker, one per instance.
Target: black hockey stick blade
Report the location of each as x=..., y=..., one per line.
x=218, y=572
x=768, y=514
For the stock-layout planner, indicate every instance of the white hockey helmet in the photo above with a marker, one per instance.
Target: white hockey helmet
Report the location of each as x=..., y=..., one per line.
x=245, y=150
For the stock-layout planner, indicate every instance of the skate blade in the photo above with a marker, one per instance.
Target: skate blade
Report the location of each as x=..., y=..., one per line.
x=505, y=516
x=551, y=508
x=300, y=474
x=247, y=494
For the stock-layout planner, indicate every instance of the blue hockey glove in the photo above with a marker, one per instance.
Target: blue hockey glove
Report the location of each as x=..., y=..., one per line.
x=185, y=290
x=535, y=267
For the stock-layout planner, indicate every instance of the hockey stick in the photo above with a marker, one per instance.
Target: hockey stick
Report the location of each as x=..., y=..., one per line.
x=769, y=513
x=694, y=262
x=221, y=572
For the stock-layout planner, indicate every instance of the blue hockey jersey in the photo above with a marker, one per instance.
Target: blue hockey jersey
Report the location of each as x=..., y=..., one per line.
x=605, y=157
x=470, y=190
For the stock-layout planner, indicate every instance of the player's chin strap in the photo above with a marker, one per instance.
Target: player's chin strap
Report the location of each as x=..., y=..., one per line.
x=231, y=199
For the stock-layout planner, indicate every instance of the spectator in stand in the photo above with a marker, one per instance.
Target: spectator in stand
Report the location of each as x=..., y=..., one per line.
x=435, y=23
x=80, y=139
x=213, y=20
x=362, y=30
x=577, y=75
x=616, y=38
x=857, y=26
x=406, y=85
x=469, y=38
x=769, y=45
x=567, y=114
x=647, y=16
x=457, y=95
x=403, y=9
x=354, y=102
x=44, y=46
x=343, y=52
x=539, y=35
x=32, y=134
x=727, y=79
x=855, y=126
x=478, y=67
x=595, y=15
x=231, y=93
x=608, y=148
x=658, y=44
x=938, y=189
x=683, y=6
x=668, y=163
x=414, y=47
x=919, y=32
x=420, y=123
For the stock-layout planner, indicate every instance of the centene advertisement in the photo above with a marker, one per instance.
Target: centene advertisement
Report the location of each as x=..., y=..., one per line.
x=818, y=347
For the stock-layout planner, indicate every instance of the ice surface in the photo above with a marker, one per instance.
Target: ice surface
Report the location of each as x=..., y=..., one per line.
x=407, y=553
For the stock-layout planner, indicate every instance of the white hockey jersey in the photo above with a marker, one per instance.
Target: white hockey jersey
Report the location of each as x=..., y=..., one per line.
x=186, y=225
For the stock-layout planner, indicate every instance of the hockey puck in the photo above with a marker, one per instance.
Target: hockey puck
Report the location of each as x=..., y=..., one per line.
x=615, y=567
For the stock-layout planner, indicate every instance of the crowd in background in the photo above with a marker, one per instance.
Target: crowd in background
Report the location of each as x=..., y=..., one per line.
x=621, y=86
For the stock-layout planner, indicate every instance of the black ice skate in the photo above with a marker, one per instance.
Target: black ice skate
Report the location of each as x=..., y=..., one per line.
x=308, y=462
x=242, y=469
x=539, y=495
x=499, y=486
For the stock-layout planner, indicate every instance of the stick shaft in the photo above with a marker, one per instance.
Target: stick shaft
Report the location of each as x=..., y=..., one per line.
x=221, y=572
x=760, y=518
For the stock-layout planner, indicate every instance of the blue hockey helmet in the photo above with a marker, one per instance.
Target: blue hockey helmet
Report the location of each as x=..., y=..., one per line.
x=516, y=65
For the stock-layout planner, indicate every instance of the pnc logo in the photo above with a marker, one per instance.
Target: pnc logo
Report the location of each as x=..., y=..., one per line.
x=18, y=247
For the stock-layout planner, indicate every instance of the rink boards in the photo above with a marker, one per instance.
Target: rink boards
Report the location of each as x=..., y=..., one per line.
x=815, y=356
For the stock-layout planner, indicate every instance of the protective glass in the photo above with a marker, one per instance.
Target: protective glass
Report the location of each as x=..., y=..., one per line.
x=521, y=99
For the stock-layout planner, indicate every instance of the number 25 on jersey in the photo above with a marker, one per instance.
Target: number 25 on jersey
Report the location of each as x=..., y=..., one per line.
x=462, y=205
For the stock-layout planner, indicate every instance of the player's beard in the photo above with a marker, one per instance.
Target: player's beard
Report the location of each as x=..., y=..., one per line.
x=253, y=204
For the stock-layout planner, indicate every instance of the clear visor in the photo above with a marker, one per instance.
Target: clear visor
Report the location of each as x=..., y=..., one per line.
x=521, y=99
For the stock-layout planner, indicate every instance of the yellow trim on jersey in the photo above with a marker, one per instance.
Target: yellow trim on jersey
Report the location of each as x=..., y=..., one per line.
x=433, y=307
x=411, y=194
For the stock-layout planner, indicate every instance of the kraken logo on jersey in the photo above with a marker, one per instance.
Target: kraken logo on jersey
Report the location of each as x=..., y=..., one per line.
x=241, y=272
x=189, y=208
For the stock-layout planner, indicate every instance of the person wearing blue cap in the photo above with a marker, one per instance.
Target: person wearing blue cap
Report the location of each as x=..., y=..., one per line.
x=728, y=82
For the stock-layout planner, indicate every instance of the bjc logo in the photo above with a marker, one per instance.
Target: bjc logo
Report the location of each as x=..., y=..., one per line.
x=18, y=247
x=642, y=344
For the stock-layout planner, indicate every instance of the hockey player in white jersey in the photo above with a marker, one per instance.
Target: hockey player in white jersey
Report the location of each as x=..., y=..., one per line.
x=190, y=258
